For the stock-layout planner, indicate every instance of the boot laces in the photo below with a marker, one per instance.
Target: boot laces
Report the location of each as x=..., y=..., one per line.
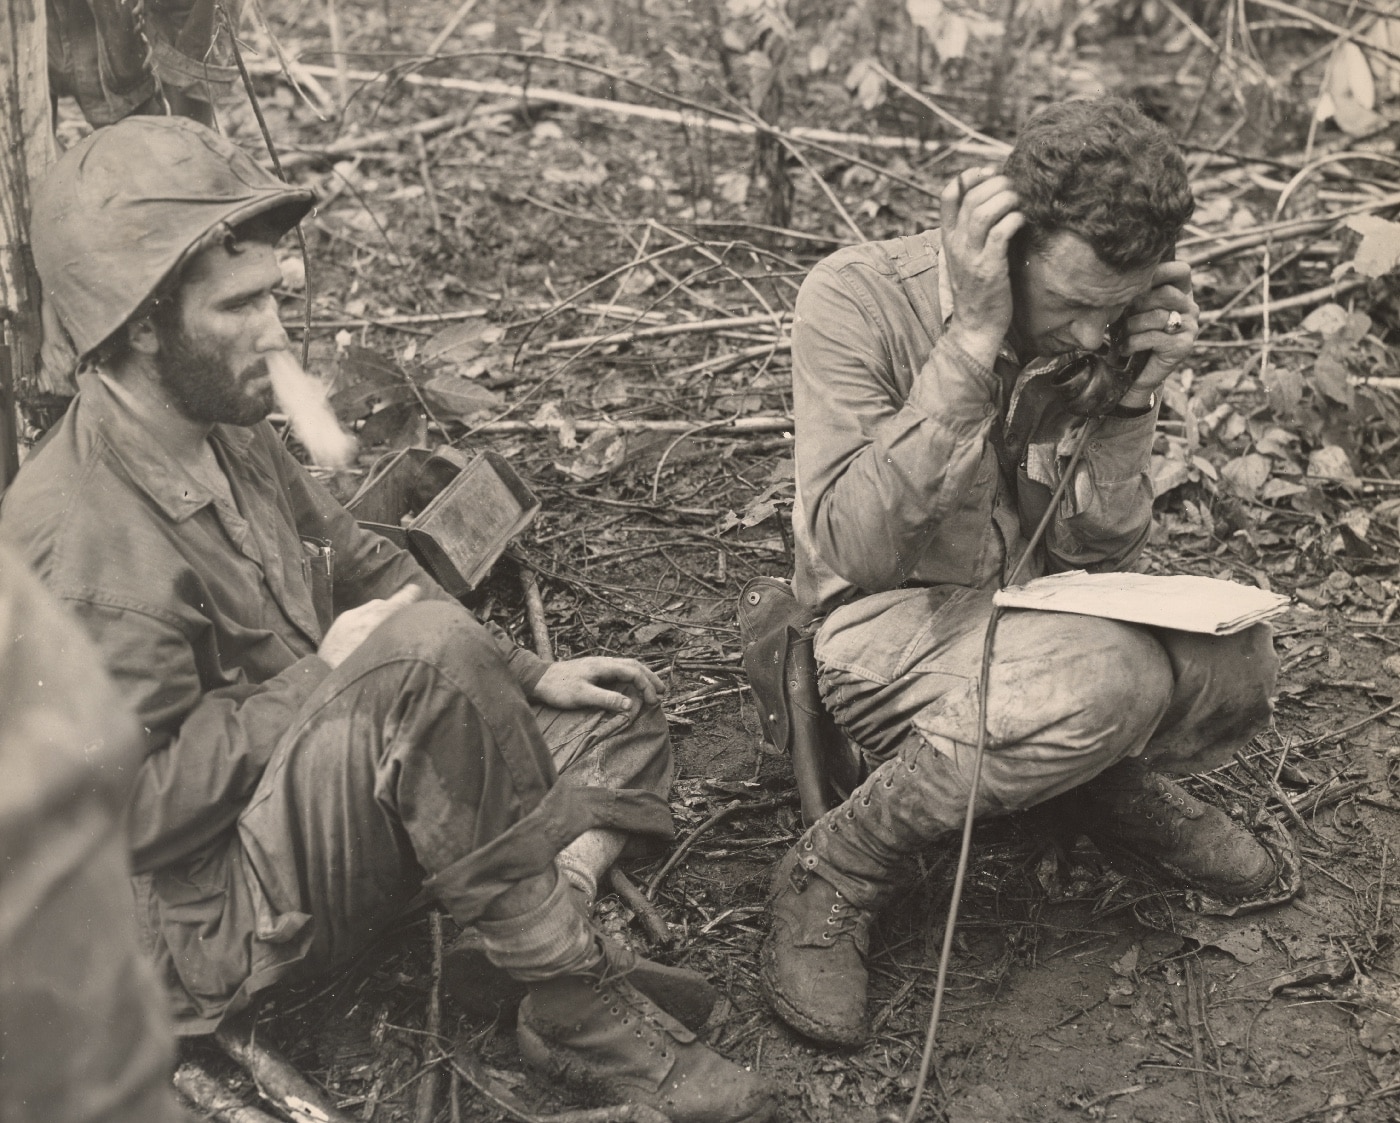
x=1172, y=799
x=844, y=919
x=633, y=1008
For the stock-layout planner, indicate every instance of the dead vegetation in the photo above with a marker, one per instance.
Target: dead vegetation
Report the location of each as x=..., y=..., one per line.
x=573, y=235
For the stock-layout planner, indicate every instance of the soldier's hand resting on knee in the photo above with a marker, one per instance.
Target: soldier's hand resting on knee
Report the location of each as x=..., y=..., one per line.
x=578, y=684
x=353, y=626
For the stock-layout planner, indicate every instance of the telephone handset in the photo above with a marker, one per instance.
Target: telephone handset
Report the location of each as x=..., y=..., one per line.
x=1091, y=382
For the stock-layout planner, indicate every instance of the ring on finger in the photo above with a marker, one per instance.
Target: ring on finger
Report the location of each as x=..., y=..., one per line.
x=1174, y=324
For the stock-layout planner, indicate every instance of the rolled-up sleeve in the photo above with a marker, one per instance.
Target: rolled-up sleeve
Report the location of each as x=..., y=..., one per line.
x=878, y=471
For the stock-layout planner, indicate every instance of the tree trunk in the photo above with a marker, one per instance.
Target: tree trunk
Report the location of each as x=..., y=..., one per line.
x=26, y=149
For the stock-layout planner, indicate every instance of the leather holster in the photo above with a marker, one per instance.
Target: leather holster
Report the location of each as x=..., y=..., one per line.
x=777, y=635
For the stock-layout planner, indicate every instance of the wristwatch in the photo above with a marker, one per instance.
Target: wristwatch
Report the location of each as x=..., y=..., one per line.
x=1138, y=411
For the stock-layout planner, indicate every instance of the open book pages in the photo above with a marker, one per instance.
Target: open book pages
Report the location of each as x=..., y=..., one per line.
x=1189, y=604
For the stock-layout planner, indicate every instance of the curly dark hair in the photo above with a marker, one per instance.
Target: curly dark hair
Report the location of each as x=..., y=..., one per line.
x=1102, y=169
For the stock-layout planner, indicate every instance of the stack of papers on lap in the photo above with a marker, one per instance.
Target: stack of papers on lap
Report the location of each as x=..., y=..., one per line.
x=1188, y=604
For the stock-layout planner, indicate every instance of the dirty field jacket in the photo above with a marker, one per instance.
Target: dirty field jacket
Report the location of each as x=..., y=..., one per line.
x=208, y=617
x=916, y=464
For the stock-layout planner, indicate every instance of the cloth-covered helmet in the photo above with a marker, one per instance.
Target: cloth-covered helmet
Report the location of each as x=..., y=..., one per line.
x=126, y=206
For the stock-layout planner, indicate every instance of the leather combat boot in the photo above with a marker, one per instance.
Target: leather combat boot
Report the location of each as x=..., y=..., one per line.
x=485, y=991
x=599, y=1035
x=812, y=967
x=1139, y=814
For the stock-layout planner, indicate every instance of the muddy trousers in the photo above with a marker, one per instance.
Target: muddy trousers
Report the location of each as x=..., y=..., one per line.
x=418, y=762
x=1069, y=696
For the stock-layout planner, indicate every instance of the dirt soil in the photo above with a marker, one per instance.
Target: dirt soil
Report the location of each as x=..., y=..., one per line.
x=1075, y=993
x=520, y=231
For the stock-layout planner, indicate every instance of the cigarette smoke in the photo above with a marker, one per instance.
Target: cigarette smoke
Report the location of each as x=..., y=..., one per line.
x=302, y=398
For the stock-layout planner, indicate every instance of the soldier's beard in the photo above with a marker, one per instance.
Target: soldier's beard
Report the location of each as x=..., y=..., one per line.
x=205, y=388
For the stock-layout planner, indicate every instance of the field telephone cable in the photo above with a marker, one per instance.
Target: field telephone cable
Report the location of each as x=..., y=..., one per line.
x=983, y=679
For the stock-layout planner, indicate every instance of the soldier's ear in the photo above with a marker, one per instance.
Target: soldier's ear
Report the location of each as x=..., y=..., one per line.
x=142, y=337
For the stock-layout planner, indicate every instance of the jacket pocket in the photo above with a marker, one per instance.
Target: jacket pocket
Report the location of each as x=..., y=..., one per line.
x=190, y=902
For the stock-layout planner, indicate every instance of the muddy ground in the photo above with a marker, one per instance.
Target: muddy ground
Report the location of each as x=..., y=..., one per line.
x=1074, y=993
x=528, y=229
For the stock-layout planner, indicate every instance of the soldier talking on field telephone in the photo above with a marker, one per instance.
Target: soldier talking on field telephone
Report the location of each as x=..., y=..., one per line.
x=941, y=384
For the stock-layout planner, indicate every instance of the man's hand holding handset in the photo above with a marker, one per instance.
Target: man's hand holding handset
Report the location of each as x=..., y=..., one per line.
x=981, y=216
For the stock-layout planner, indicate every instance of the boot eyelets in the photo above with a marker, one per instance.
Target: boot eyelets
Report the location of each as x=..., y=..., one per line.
x=807, y=844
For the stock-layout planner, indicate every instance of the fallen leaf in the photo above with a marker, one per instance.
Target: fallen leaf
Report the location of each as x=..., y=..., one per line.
x=926, y=14
x=1278, y=488
x=365, y=379
x=1285, y=389
x=733, y=187
x=979, y=1104
x=866, y=84
x=1168, y=473
x=649, y=633
x=464, y=341
x=401, y=425
x=1385, y=33
x=1247, y=474
x=1349, y=91
x=603, y=452
x=1379, y=252
x=553, y=415
x=1331, y=462
x=1329, y=375
x=1326, y=319
x=459, y=399
x=610, y=391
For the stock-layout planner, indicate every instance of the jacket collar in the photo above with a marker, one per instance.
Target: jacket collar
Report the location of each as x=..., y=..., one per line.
x=141, y=454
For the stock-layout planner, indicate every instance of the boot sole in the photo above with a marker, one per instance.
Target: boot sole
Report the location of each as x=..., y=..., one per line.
x=543, y=1056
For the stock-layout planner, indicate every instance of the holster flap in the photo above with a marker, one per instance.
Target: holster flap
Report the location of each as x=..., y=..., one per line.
x=771, y=623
